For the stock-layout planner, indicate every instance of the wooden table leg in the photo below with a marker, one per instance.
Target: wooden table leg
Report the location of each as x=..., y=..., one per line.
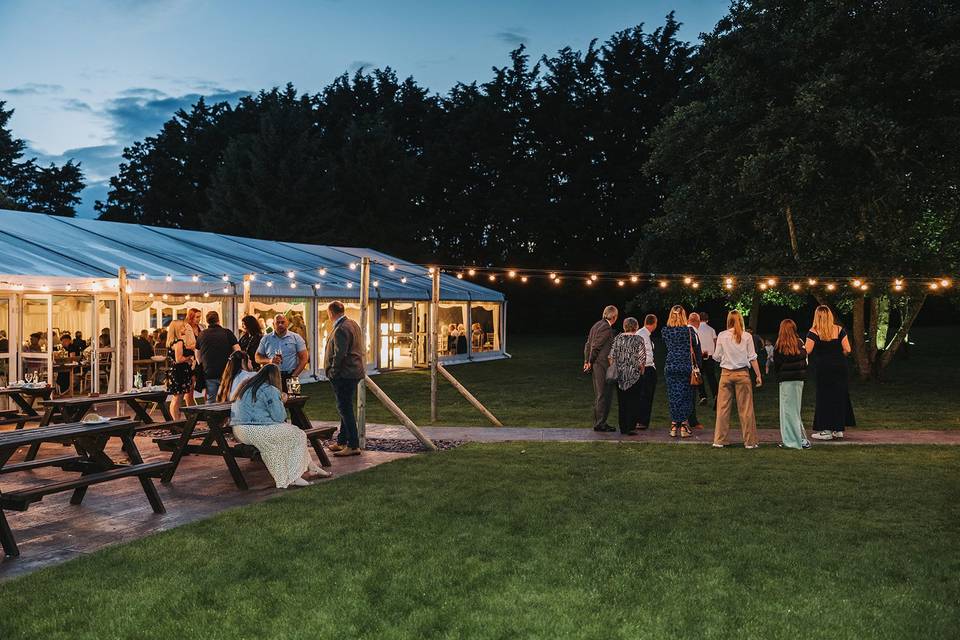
x=92, y=450
x=25, y=407
x=139, y=411
x=6, y=537
x=47, y=418
x=181, y=448
x=147, y=483
x=215, y=425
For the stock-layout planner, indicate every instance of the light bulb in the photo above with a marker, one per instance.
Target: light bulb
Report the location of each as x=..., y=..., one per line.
x=459, y=276
x=634, y=278
x=353, y=266
x=472, y=272
x=291, y=274
x=376, y=283
x=687, y=280
x=225, y=278
x=523, y=278
x=143, y=276
x=403, y=279
x=663, y=284
x=169, y=278
x=771, y=282
x=195, y=278
x=620, y=283
x=269, y=283
x=512, y=273
x=392, y=267
x=323, y=271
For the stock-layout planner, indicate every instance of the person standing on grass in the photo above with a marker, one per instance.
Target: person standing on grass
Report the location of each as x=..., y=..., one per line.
x=736, y=354
x=790, y=365
x=829, y=345
x=596, y=352
x=345, y=368
x=628, y=356
x=693, y=321
x=649, y=381
x=683, y=352
x=708, y=343
x=214, y=346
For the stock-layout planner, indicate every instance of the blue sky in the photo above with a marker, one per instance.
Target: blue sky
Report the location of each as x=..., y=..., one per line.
x=88, y=77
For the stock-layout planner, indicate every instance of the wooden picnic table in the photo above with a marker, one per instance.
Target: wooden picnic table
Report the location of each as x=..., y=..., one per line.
x=90, y=461
x=24, y=398
x=74, y=408
x=217, y=418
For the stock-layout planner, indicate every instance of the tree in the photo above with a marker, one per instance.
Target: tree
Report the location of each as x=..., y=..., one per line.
x=821, y=137
x=24, y=186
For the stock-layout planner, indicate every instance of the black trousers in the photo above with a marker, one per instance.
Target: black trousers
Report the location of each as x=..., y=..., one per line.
x=648, y=385
x=345, y=392
x=709, y=371
x=629, y=403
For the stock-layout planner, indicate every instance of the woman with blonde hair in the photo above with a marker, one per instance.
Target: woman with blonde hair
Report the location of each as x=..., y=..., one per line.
x=683, y=351
x=180, y=372
x=258, y=418
x=737, y=355
x=790, y=365
x=829, y=345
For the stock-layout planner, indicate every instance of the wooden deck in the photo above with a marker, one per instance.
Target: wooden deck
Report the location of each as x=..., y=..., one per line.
x=49, y=532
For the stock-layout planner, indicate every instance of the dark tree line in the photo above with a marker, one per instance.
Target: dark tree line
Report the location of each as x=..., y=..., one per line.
x=27, y=186
x=540, y=165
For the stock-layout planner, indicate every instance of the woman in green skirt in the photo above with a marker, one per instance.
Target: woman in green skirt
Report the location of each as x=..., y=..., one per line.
x=790, y=366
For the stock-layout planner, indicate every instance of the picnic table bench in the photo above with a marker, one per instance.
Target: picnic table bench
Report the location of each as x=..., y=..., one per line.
x=90, y=460
x=217, y=418
x=74, y=408
x=24, y=398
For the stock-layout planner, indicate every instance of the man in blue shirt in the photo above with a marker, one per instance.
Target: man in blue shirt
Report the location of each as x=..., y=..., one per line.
x=285, y=349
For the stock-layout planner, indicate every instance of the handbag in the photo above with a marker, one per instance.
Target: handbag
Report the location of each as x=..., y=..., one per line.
x=696, y=378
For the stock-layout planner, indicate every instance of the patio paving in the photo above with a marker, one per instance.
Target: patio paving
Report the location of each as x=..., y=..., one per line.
x=50, y=532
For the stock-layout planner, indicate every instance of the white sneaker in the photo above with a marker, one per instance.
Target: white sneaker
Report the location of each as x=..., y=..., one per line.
x=300, y=482
x=717, y=446
x=822, y=435
x=837, y=435
x=750, y=446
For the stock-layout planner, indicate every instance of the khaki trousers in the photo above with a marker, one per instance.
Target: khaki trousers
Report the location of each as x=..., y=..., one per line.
x=735, y=384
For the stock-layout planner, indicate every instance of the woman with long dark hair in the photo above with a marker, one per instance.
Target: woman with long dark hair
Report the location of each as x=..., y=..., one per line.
x=250, y=339
x=258, y=418
x=790, y=367
x=828, y=345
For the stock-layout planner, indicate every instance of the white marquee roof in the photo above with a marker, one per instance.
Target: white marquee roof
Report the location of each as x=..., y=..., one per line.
x=37, y=249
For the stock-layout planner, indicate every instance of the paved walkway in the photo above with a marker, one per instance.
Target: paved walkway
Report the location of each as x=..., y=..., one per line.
x=506, y=434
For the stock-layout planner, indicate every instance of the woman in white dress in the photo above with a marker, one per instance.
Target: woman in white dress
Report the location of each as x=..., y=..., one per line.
x=258, y=418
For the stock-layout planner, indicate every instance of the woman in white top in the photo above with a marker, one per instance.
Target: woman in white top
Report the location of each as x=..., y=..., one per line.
x=736, y=355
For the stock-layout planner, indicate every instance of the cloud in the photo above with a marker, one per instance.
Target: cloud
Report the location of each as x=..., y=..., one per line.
x=33, y=88
x=357, y=65
x=91, y=193
x=141, y=112
x=513, y=37
x=97, y=162
x=72, y=104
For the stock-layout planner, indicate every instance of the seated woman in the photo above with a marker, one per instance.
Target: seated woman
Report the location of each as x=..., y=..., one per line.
x=258, y=418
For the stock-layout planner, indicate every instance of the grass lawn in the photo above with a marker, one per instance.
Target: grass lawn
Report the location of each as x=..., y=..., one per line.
x=594, y=540
x=541, y=386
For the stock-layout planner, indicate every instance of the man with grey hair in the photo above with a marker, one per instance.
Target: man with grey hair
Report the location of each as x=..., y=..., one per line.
x=595, y=362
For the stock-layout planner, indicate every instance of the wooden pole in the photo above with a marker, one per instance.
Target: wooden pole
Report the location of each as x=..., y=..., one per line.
x=123, y=341
x=401, y=416
x=247, y=305
x=469, y=396
x=432, y=342
x=364, y=337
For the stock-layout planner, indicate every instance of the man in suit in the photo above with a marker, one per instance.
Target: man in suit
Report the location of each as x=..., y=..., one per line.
x=345, y=368
x=595, y=354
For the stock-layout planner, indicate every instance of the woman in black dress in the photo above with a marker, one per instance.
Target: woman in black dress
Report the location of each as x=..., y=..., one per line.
x=828, y=346
x=250, y=339
x=180, y=373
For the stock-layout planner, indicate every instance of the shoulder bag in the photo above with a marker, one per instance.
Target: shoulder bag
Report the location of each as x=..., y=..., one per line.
x=696, y=379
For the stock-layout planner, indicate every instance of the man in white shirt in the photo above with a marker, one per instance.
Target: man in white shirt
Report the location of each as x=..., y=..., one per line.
x=708, y=344
x=649, y=380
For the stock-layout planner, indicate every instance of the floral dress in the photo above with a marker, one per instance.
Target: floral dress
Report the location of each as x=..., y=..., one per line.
x=180, y=373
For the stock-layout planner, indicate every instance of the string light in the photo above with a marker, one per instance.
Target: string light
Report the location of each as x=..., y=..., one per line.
x=44, y=287
x=143, y=276
x=128, y=288
x=169, y=278
x=795, y=286
x=553, y=276
x=512, y=274
x=459, y=276
x=728, y=281
x=163, y=297
x=620, y=283
x=695, y=285
x=429, y=269
x=293, y=285
x=149, y=295
x=195, y=277
x=634, y=278
x=225, y=278
x=492, y=278
x=523, y=278
x=269, y=283
x=291, y=274
x=589, y=282
x=864, y=286
x=771, y=282
x=68, y=287
x=687, y=280
x=403, y=280
x=812, y=282
x=349, y=285
x=944, y=283
x=376, y=283
x=556, y=279
x=663, y=284
x=353, y=267
x=831, y=287
x=187, y=297
x=253, y=277
x=317, y=286
x=206, y=294
x=392, y=267
x=728, y=285
x=934, y=286
x=593, y=276
x=763, y=286
x=857, y=283
x=472, y=272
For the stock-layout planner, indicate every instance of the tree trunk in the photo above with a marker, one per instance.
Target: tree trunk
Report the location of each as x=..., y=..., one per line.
x=871, y=337
x=883, y=321
x=792, y=230
x=755, y=312
x=912, y=309
x=858, y=334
